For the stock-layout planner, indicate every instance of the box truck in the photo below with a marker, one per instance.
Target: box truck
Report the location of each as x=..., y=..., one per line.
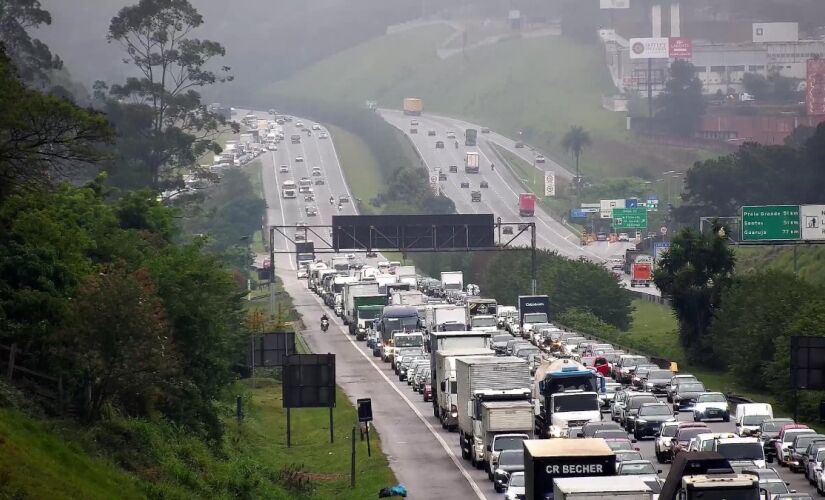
x=439, y=341
x=532, y=309
x=349, y=292
x=548, y=459
x=481, y=314
x=444, y=377
x=526, y=205
x=452, y=280
x=471, y=162
x=413, y=106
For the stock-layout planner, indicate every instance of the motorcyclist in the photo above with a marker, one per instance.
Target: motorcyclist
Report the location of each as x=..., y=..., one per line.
x=492, y=166
x=456, y=144
x=324, y=318
x=331, y=200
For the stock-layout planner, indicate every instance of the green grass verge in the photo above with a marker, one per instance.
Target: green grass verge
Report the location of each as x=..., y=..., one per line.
x=499, y=85
x=810, y=260
x=362, y=172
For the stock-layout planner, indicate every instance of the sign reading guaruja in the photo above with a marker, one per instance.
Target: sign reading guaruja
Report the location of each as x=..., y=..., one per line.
x=771, y=223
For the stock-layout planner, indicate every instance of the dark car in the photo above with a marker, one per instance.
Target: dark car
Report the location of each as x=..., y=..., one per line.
x=431, y=133
x=509, y=461
x=439, y=144
x=442, y=176
x=657, y=381
x=484, y=185
x=798, y=448
x=685, y=395
x=453, y=169
x=465, y=184
x=610, y=433
x=632, y=406
x=485, y=130
x=650, y=418
x=499, y=343
x=590, y=428
x=519, y=145
x=684, y=434
x=319, y=182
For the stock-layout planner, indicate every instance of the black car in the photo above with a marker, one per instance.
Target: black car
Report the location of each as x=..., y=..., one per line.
x=509, y=461
x=519, y=145
x=685, y=395
x=319, y=182
x=453, y=169
x=442, y=176
x=590, y=428
x=465, y=184
x=657, y=381
x=632, y=405
x=439, y=145
x=431, y=133
x=484, y=184
x=650, y=418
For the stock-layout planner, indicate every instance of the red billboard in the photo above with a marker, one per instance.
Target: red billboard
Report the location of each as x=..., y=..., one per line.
x=815, y=88
x=680, y=48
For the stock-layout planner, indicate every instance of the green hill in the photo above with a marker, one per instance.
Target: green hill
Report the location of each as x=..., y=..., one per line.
x=541, y=85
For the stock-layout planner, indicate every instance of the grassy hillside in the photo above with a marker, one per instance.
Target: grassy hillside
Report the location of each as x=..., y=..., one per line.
x=810, y=259
x=541, y=85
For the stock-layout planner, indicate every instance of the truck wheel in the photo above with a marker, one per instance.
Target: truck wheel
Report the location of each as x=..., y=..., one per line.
x=480, y=464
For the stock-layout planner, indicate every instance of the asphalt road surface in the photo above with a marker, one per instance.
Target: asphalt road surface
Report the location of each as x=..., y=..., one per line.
x=501, y=197
x=424, y=457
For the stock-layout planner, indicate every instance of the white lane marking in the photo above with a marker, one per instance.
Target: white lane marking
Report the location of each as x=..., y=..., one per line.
x=340, y=171
x=412, y=406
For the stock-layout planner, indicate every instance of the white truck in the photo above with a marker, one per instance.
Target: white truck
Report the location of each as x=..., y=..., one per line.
x=481, y=314
x=471, y=162
x=444, y=378
x=444, y=317
x=406, y=274
x=482, y=379
x=603, y=488
x=340, y=263
x=506, y=420
x=385, y=279
x=442, y=341
x=452, y=280
x=352, y=290
x=408, y=298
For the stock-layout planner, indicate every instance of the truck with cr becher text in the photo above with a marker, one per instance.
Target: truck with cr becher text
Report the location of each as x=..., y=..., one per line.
x=439, y=341
x=482, y=379
x=548, y=459
x=443, y=376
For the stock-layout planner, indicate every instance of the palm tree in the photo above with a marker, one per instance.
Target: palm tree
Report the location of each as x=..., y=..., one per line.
x=574, y=142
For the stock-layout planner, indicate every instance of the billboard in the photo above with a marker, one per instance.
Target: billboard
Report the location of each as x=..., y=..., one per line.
x=549, y=184
x=680, y=47
x=309, y=381
x=649, y=48
x=815, y=88
x=808, y=363
x=614, y=4
x=606, y=207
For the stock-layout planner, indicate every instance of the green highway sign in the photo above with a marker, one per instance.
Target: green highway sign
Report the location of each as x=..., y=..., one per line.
x=770, y=223
x=629, y=218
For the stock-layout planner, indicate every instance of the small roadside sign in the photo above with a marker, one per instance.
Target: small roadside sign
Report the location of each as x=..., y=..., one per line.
x=663, y=230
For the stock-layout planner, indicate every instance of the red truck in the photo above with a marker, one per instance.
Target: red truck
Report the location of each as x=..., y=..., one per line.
x=641, y=272
x=526, y=204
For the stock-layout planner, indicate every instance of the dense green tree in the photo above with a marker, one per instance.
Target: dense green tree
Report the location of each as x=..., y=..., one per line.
x=693, y=273
x=681, y=106
x=575, y=141
x=33, y=59
x=177, y=128
x=43, y=138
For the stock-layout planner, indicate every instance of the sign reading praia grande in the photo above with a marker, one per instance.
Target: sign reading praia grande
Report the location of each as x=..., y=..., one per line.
x=770, y=223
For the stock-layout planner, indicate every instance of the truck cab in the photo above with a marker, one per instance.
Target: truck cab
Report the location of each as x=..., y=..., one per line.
x=394, y=320
x=707, y=476
x=567, y=395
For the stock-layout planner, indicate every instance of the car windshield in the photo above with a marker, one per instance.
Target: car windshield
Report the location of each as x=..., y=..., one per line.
x=659, y=375
x=634, y=360
x=633, y=468
x=774, y=486
x=368, y=314
x=654, y=410
x=575, y=402
x=502, y=338
x=517, y=481
x=535, y=318
x=511, y=457
x=688, y=434
x=610, y=433
x=669, y=430
x=397, y=324
x=411, y=341
x=789, y=436
x=711, y=398
x=691, y=387
x=753, y=419
x=775, y=425
x=618, y=445
x=628, y=455
x=509, y=443
x=741, y=451
x=484, y=322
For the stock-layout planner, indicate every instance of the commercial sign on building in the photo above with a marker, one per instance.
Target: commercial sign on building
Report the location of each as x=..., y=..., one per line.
x=815, y=88
x=649, y=48
x=680, y=47
x=606, y=207
x=770, y=223
x=549, y=184
x=629, y=218
x=614, y=4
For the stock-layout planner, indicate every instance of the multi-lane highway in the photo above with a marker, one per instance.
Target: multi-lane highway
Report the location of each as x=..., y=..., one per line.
x=501, y=196
x=424, y=457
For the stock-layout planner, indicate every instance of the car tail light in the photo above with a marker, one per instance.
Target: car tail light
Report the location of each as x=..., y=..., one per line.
x=453, y=411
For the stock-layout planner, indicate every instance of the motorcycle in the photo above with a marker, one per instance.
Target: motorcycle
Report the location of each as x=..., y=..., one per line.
x=324, y=325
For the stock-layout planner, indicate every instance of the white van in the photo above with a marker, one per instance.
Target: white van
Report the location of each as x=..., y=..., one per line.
x=750, y=415
x=739, y=449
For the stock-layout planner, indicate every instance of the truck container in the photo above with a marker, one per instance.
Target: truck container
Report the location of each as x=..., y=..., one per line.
x=532, y=309
x=503, y=418
x=641, y=272
x=526, y=205
x=413, y=106
x=350, y=292
x=452, y=280
x=439, y=341
x=470, y=136
x=480, y=379
x=383, y=280
x=406, y=274
x=440, y=315
x=471, y=162
x=602, y=488
x=366, y=309
x=549, y=459
x=481, y=314
x=340, y=263
x=629, y=258
x=408, y=298
x=443, y=376
x=566, y=395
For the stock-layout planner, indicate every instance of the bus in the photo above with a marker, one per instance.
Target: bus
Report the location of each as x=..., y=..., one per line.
x=288, y=189
x=470, y=137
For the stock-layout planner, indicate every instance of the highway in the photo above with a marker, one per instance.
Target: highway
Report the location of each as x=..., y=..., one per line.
x=501, y=197
x=424, y=457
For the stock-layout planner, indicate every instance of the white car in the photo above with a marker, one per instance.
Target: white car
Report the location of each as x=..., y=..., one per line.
x=711, y=405
x=820, y=478
x=450, y=134
x=323, y=135
x=540, y=159
x=663, y=440
x=516, y=486
x=299, y=124
x=299, y=159
x=315, y=126
x=284, y=169
x=624, y=237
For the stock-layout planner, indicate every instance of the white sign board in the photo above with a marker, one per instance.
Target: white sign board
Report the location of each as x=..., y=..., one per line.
x=434, y=183
x=614, y=4
x=649, y=48
x=812, y=222
x=549, y=184
x=606, y=207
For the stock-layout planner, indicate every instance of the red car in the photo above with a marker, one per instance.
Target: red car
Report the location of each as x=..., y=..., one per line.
x=427, y=392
